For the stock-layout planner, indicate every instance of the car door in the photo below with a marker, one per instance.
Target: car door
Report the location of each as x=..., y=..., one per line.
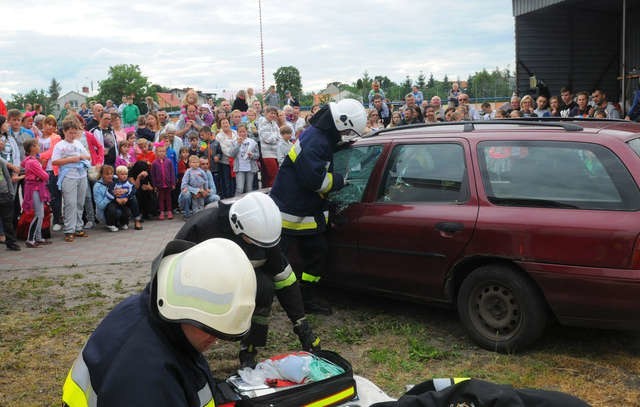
x=418, y=221
x=356, y=164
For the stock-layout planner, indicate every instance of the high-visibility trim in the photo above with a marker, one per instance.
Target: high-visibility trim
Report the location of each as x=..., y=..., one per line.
x=205, y=396
x=334, y=398
x=284, y=279
x=327, y=183
x=258, y=263
x=443, y=383
x=260, y=319
x=77, y=390
x=293, y=153
x=293, y=222
x=310, y=278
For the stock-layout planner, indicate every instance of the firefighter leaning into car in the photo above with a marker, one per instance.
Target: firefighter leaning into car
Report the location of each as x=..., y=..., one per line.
x=148, y=350
x=254, y=223
x=301, y=187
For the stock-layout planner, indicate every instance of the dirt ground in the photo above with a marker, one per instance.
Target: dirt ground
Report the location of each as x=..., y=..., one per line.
x=48, y=313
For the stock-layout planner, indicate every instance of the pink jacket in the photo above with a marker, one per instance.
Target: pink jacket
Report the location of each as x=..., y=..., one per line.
x=46, y=156
x=35, y=179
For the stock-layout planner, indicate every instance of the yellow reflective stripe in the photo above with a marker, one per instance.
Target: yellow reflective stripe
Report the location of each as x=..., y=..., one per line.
x=72, y=394
x=443, y=383
x=327, y=183
x=294, y=152
x=293, y=222
x=457, y=380
x=310, y=278
x=205, y=396
x=286, y=281
x=334, y=399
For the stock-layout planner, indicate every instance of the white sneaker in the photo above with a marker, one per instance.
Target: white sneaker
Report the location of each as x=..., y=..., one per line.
x=57, y=227
x=112, y=228
x=89, y=225
x=124, y=227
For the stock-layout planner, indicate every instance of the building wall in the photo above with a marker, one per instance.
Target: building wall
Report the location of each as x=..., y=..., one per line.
x=565, y=45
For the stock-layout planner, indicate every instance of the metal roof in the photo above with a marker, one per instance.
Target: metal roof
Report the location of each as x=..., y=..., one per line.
x=521, y=7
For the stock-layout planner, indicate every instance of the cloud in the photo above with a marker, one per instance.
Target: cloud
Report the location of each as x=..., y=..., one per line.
x=215, y=45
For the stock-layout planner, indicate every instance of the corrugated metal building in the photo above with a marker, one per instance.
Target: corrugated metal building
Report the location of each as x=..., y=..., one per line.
x=582, y=44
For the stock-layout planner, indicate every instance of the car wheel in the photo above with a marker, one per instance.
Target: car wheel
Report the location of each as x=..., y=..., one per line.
x=501, y=309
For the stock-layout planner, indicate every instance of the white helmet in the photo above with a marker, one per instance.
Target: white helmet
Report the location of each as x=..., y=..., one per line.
x=349, y=114
x=257, y=217
x=219, y=299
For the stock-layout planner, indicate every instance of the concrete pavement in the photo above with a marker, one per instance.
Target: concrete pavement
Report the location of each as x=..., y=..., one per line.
x=101, y=247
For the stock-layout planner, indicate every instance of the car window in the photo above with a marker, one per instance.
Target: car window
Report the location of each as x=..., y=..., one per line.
x=434, y=172
x=556, y=174
x=635, y=145
x=355, y=164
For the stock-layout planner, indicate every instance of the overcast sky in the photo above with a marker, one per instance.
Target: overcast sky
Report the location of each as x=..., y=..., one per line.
x=215, y=45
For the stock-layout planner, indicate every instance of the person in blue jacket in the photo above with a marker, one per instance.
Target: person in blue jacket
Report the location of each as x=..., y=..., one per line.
x=148, y=349
x=301, y=187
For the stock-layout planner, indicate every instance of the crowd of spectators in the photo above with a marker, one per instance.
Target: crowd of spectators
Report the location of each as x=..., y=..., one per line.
x=383, y=114
x=110, y=165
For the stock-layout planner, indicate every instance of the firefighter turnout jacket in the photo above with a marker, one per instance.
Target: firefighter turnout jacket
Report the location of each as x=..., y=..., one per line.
x=134, y=358
x=303, y=182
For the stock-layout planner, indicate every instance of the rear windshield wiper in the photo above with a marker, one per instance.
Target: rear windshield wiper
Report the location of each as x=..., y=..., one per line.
x=541, y=203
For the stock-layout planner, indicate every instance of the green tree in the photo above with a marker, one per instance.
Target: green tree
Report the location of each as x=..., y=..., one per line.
x=54, y=90
x=385, y=82
x=125, y=80
x=406, y=85
x=420, y=81
x=432, y=81
x=19, y=101
x=288, y=78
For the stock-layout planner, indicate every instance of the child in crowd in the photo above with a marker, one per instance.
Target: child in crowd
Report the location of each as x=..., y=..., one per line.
x=124, y=196
x=245, y=163
x=206, y=115
x=194, y=145
x=191, y=196
x=106, y=213
x=210, y=190
x=486, y=112
x=123, y=154
x=73, y=160
x=164, y=180
x=36, y=193
x=190, y=98
x=212, y=152
x=143, y=131
x=284, y=144
x=143, y=152
x=6, y=204
x=183, y=164
x=500, y=114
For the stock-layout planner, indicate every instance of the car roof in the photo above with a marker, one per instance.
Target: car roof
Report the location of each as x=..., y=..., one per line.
x=569, y=129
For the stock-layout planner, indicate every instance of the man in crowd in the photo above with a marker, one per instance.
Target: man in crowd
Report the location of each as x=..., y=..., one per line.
x=513, y=104
x=382, y=108
x=568, y=104
x=272, y=98
x=375, y=90
x=96, y=112
x=436, y=102
x=599, y=99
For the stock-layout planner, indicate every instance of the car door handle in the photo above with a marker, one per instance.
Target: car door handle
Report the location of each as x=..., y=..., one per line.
x=449, y=227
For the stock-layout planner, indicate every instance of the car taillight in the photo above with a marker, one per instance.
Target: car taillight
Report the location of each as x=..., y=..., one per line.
x=635, y=258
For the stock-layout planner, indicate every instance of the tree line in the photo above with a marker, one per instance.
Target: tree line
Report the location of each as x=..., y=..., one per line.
x=125, y=80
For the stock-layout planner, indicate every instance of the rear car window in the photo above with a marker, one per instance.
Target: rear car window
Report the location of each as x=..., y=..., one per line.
x=434, y=172
x=556, y=174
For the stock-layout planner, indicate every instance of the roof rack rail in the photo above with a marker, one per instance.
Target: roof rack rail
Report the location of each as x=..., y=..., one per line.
x=469, y=126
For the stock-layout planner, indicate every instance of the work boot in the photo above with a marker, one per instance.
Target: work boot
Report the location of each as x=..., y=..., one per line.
x=310, y=342
x=312, y=303
x=248, y=357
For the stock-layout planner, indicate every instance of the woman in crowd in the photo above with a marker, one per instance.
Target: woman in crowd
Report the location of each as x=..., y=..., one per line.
x=228, y=139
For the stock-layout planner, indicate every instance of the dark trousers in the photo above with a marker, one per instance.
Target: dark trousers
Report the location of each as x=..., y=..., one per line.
x=147, y=203
x=116, y=214
x=6, y=215
x=313, y=250
x=56, y=198
x=228, y=183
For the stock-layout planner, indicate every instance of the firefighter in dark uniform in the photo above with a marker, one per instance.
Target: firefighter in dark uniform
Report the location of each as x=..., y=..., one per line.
x=148, y=350
x=254, y=223
x=301, y=187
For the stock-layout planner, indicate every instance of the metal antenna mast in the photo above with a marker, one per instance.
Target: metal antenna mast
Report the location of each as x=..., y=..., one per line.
x=261, y=46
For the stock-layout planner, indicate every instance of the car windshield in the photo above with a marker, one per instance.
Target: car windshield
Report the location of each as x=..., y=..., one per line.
x=556, y=174
x=355, y=164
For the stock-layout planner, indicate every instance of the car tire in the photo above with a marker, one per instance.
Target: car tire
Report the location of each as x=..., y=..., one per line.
x=501, y=308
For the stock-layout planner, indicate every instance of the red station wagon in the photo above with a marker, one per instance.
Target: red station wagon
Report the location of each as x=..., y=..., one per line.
x=512, y=222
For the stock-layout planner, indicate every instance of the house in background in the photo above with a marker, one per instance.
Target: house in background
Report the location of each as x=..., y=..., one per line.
x=332, y=93
x=168, y=101
x=74, y=98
